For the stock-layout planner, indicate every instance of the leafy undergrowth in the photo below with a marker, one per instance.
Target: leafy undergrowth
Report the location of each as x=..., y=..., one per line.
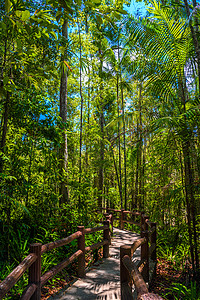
x=170, y=282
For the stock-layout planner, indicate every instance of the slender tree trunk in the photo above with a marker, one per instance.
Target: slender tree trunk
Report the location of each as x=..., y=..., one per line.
x=195, y=38
x=137, y=170
x=64, y=193
x=189, y=182
x=4, y=129
x=140, y=148
x=124, y=144
x=118, y=126
x=119, y=145
x=117, y=175
x=101, y=121
x=81, y=116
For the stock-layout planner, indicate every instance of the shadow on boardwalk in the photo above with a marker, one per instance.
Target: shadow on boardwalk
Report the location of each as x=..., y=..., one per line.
x=102, y=282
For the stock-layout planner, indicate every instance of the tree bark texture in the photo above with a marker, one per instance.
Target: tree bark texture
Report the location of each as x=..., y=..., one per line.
x=64, y=193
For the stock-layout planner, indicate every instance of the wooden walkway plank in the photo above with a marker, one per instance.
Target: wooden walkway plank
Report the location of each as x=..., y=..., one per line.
x=102, y=282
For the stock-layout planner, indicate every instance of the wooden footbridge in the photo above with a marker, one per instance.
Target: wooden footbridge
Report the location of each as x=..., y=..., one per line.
x=128, y=265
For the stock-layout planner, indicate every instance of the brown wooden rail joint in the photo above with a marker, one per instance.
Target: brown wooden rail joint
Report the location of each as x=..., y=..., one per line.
x=35, y=271
x=145, y=255
x=137, y=244
x=140, y=285
x=96, y=245
x=95, y=229
x=28, y=292
x=106, y=236
x=16, y=274
x=59, y=243
x=81, y=246
x=56, y=269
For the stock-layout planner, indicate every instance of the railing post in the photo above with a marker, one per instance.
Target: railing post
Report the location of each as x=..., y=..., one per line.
x=106, y=236
x=111, y=222
x=141, y=222
x=122, y=219
x=145, y=224
x=145, y=256
x=35, y=270
x=81, y=258
x=124, y=274
x=153, y=241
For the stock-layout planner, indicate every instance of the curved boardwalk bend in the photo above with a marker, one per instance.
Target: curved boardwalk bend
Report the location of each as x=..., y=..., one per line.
x=102, y=281
x=129, y=261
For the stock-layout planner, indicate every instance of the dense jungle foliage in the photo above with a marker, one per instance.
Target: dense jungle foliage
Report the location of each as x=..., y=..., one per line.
x=99, y=106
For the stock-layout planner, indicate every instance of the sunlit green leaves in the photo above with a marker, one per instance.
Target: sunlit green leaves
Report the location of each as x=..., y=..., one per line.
x=8, y=5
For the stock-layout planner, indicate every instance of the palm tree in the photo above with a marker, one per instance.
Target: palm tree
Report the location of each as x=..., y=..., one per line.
x=167, y=45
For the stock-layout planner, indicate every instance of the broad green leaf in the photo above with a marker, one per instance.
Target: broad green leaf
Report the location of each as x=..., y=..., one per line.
x=5, y=80
x=25, y=15
x=8, y=5
x=18, y=13
x=99, y=20
x=54, y=34
x=122, y=11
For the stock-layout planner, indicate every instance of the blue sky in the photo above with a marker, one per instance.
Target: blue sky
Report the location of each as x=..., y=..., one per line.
x=136, y=8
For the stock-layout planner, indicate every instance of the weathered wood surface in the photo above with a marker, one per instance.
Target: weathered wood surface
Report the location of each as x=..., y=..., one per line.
x=102, y=281
x=14, y=276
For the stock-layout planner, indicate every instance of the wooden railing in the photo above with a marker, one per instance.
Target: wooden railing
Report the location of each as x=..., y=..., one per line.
x=129, y=272
x=123, y=216
x=32, y=262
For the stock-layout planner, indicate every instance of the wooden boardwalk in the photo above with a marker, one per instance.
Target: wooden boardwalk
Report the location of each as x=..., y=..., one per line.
x=102, y=281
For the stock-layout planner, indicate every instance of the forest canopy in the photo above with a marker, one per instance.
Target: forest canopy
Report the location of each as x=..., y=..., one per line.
x=99, y=106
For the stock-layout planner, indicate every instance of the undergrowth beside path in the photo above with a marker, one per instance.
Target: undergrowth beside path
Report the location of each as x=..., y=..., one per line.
x=172, y=283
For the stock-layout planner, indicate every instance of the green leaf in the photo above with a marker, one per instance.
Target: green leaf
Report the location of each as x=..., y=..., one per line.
x=99, y=20
x=5, y=80
x=18, y=13
x=25, y=15
x=122, y=11
x=58, y=15
x=8, y=5
x=54, y=34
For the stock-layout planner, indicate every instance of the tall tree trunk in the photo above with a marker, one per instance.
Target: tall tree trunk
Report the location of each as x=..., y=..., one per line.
x=140, y=148
x=137, y=170
x=195, y=39
x=64, y=192
x=124, y=144
x=101, y=123
x=117, y=175
x=81, y=116
x=138, y=173
x=118, y=127
x=4, y=121
x=4, y=129
x=189, y=182
x=119, y=145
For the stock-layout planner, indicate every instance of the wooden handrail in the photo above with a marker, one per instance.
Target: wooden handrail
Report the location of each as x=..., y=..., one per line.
x=137, y=244
x=16, y=274
x=135, y=213
x=96, y=245
x=33, y=261
x=140, y=285
x=29, y=291
x=95, y=229
x=122, y=216
x=59, y=243
x=129, y=273
x=128, y=270
x=56, y=269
